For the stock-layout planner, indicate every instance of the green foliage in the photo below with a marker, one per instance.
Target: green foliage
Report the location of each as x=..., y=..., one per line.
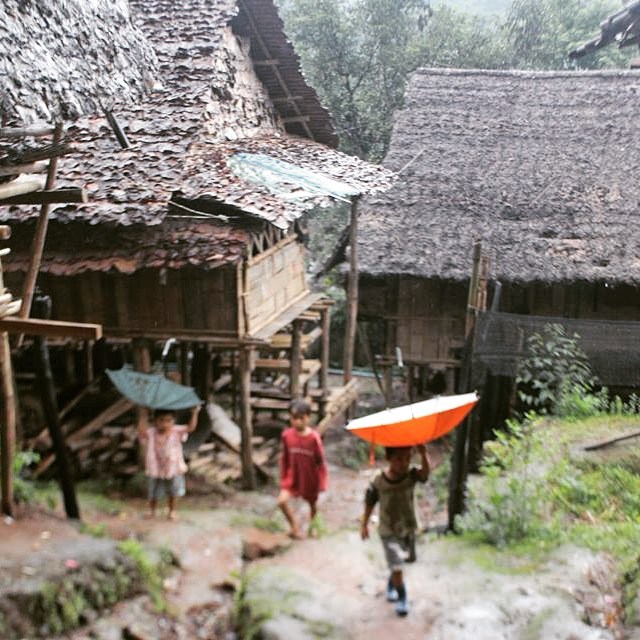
x=150, y=572
x=506, y=508
x=23, y=490
x=556, y=376
x=439, y=481
x=358, y=54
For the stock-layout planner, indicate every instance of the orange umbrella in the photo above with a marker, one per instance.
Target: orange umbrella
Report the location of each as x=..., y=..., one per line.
x=414, y=423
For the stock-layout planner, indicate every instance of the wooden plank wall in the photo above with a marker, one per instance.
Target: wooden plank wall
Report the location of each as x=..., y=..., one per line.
x=426, y=317
x=273, y=281
x=185, y=299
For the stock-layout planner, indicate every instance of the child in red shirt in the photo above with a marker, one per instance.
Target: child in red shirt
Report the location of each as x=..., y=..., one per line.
x=303, y=469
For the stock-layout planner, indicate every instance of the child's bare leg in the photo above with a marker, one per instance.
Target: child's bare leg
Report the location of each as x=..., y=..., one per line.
x=153, y=505
x=171, y=501
x=283, y=504
x=397, y=579
x=313, y=511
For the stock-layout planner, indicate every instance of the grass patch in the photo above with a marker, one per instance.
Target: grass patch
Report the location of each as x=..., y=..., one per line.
x=151, y=572
x=273, y=524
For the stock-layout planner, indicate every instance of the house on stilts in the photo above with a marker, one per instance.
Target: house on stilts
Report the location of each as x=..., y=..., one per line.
x=57, y=64
x=195, y=228
x=535, y=166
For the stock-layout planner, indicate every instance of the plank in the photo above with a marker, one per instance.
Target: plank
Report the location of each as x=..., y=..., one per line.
x=34, y=196
x=118, y=408
x=288, y=316
x=57, y=328
x=31, y=167
x=17, y=189
x=36, y=131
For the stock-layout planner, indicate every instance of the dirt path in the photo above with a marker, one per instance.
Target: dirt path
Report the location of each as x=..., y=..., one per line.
x=332, y=587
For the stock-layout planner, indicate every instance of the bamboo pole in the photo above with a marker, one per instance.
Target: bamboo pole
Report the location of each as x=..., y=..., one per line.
x=352, y=295
x=37, y=247
x=246, y=425
x=8, y=443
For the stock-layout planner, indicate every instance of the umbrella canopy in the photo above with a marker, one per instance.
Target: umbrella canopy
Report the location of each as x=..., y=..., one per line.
x=152, y=390
x=415, y=423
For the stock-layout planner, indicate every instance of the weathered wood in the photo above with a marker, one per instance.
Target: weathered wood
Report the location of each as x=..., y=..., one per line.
x=296, y=359
x=37, y=247
x=64, y=412
x=352, y=295
x=12, y=191
x=607, y=443
x=34, y=196
x=8, y=426
x=114, y=411
x=29, y=167
x=47, y=390
x=53, y=328
x=341, y=401
x=5, y=232
x=246, y=425
x=185, y=363
x=36, y=131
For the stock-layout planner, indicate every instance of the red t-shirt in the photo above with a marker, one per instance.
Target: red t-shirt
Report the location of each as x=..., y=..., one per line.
x=303, y=469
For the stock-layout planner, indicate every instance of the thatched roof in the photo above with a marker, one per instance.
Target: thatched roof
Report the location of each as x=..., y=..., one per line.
x=542, y=167
x=61, y=60
x=621, y=27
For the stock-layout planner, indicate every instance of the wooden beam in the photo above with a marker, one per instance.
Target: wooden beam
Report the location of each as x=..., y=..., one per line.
x=47, y=390
x=119, y=407
x=324, y=360
x=58, y=196
x=267, y=62
x=286, y=99
x=18, y=188
x=56, y=328
x=352, y=295
x=5, y=232
x=37, y=247
x=36, y=131
x=30, y=167
x=293, y=119
x=296, y=359
x=246, y=424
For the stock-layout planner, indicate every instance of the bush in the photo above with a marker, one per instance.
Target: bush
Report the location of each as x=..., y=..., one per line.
x=22, y=489
x=556, y=376
x=507, y=506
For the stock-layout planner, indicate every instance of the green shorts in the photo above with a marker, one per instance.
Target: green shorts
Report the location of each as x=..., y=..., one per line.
x=166, y=487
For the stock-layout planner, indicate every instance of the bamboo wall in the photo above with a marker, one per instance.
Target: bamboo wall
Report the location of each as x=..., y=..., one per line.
x=274, y=280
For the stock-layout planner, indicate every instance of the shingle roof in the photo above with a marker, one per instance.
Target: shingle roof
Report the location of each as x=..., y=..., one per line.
x=541, y=166
x=61, y=60
x=181, y=134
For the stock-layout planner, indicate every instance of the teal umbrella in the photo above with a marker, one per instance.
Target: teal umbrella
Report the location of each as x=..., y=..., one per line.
x=152, y=390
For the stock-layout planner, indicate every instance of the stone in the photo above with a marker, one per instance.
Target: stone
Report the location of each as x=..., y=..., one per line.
x=263, y=544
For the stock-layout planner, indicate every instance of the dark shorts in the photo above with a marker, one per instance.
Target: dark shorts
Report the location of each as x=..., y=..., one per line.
x=397, y=551
x=163, y=487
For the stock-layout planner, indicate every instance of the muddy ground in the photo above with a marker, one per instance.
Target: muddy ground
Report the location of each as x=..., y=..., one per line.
x=236, y=569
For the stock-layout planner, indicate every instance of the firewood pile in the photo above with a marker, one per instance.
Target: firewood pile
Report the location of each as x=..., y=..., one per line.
x=104, y=443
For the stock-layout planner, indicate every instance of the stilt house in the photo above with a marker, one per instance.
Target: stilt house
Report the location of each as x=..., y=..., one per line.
x=57, y=63
x=535, y=165
x=194, y=229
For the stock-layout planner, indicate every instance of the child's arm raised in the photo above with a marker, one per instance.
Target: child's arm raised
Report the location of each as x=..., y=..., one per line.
x=370, y=501
x=143, y=422
x=193, y=420
x=425, y=469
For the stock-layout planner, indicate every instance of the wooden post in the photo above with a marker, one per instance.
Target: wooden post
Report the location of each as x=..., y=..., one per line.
x=37, y=247
x=8, y=443
x=476, y=301
x=472, y=297
x=185, y=365
x=87, y=358
x=410, y=386
x=352, y=295
x=246, y=424
x=44, y=378
x=296, y=359
x=388, y=383
x=325, y=344
x=141, y=355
